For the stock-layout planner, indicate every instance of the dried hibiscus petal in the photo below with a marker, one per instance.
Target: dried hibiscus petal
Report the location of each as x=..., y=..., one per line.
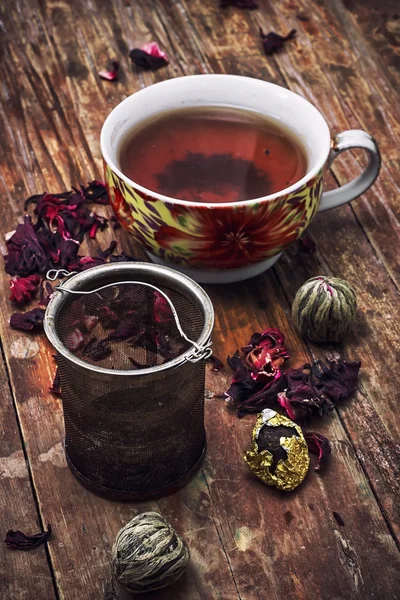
x=217, y=364
x=149, y=57
x=86, y=262
x=302, y=398
x=127, y=328
x=25, y=254
x=121, y=258
x=339, y=520
x=272, y=42
x=32, y=319
x=23, y=289
x=74, y=340
x=258, y=378
x=264, y=398
x=307, y=244
x=112, y=74
x=318, y=444
x=316, y=389
x=16, y=540
x=137, y=364
x=251, y=4
x=56, y=385
x=162, y=309
x=46, y=292
x=248, y=394
x=269, y=338
x=96, y=192
x=97, y=349
x=337, y=379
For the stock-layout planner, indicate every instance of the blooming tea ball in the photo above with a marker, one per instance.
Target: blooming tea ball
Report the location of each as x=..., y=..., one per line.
x=278, y=454
x=148, y=554
x=324, y=309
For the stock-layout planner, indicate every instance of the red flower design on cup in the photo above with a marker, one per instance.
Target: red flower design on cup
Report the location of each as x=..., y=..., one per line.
x=231, y=238
x=121, y=207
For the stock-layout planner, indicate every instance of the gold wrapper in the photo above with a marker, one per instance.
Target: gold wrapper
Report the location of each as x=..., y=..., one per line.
x=289, y=473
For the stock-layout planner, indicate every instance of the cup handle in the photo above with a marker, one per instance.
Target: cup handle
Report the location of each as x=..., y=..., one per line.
x=354, y=138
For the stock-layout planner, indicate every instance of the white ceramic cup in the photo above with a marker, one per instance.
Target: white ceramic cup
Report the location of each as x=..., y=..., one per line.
x=227, y=242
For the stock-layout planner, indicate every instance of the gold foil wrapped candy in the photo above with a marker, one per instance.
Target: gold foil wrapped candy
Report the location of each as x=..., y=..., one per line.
x=279, y=453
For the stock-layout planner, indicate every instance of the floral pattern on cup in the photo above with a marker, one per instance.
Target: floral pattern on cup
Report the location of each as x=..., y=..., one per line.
x=217, y=237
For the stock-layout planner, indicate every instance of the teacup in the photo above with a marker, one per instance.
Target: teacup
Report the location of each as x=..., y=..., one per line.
x=227, y=242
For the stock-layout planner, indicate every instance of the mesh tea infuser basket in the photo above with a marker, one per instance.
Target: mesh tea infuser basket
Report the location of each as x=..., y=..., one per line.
x=131, y=341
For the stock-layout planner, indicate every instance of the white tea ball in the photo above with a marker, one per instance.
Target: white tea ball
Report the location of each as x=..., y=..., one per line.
x=148, y=554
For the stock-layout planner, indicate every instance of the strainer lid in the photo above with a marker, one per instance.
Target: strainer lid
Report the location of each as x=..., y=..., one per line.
x=163, y=279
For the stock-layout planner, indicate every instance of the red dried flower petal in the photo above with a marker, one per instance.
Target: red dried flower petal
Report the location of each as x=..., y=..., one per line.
x=25, y=252
x=162, y=309
x=96, y=349
x=32, y=319
x=258, y=379
x=23, y=289
x=320, y=445
x=56, y=385
x=154, y=49
x=250, y=4
x=217, y=364
x=338, y=519
x=272, y=42
x=96, y=192
x=74, y=340
x=149, y=57
x=307, y=244
x=302, y=397
x=112, y=74
x=46, y=292
x=338, y=379
x=16, y=540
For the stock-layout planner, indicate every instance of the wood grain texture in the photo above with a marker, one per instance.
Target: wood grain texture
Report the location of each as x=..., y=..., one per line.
x=23, y=575
x=246, y=541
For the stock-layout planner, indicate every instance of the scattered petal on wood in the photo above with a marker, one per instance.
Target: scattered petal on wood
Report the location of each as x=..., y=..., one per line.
x=149, y=57
x=112, y=74
x=320, y=445
x=96, y=192
x=16, y=540
x=338, y=379
x=338, y=519
x=272, y=42
x=307, y=244
x=217, y=364
x=250, y=4
x=56, y=385
x=31, y=320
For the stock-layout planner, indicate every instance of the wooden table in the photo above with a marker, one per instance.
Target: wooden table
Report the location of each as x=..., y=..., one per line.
x=247, y=541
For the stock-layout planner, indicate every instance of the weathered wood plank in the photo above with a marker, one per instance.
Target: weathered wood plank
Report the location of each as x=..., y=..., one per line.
x=23, y=575
x=376, y=447
x=234, y=525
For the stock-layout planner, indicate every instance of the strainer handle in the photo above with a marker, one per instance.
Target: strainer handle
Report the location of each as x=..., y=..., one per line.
x=199, y=352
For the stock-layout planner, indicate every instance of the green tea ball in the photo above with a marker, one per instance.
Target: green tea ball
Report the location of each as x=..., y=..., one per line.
x=148, y=554
x=324, y=309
